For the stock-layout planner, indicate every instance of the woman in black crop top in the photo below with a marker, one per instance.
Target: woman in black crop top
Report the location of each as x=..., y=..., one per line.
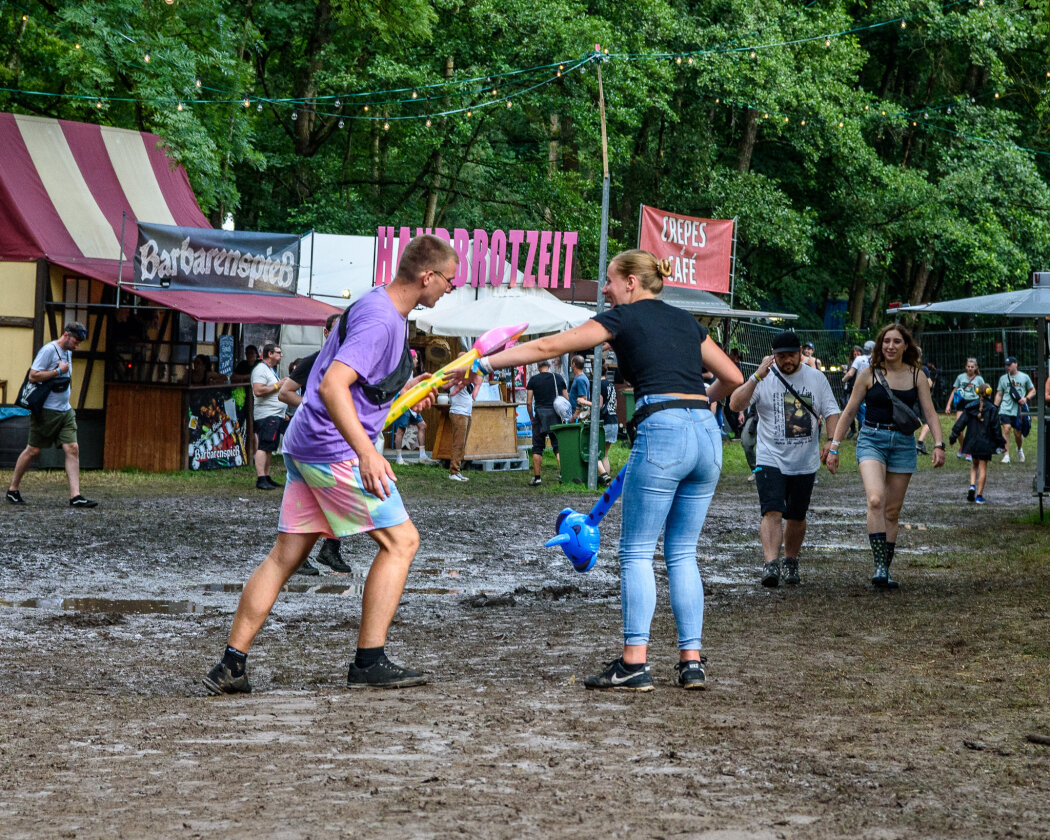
x=885, y=455
x=675, y=461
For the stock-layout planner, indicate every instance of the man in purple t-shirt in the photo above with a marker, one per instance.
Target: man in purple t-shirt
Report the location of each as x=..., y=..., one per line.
x=337, y=483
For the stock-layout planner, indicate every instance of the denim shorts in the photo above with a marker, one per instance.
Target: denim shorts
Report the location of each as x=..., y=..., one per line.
x=894, y=449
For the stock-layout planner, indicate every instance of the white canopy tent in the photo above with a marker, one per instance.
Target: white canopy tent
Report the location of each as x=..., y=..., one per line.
x=1023, y=303
x=470, y=312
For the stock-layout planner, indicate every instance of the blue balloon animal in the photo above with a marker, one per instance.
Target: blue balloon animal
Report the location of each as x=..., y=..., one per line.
x=578, y=533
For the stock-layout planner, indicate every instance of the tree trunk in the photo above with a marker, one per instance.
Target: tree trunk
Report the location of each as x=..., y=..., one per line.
x=876, y=304
x=747, y=141
x=856, y=292
x=434, y=187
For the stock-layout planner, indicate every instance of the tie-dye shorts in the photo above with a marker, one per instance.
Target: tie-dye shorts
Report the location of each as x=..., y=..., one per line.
x=330, y=499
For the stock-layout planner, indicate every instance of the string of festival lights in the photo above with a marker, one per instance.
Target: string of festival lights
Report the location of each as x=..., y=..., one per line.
x=503, y=88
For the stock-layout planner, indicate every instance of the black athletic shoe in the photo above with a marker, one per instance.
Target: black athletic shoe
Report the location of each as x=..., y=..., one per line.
x=263, y=483
x=79, y=501
x=971, y=494
x=771, y=575
x=791, y=575
x=384, y=674
x=220, y=681
x=329, y=556
x=605, y=479
x=307, y=569
x=618, y=678
x=691, y=674
x=15, y=498
x=536, y=481
x=921, y=447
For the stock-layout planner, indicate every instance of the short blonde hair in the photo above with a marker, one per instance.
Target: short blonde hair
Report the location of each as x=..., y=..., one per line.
x=645, y=266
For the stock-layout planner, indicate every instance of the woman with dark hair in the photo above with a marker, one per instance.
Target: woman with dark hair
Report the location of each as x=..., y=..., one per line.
x=886, y=456
x=675, y=461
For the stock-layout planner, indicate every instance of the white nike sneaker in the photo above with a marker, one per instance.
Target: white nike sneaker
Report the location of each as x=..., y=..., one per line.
x=1020, y=455
x=1006, y=459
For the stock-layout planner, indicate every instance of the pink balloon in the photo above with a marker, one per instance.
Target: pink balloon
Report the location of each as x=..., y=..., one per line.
x=498, y=338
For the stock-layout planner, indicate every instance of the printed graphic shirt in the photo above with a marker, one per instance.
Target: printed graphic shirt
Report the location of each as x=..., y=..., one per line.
x=966, y=387
x=267, y=405
x=1022, y=384
x=788, y=437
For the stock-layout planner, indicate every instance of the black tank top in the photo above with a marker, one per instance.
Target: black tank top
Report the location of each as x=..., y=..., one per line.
x=879, y=406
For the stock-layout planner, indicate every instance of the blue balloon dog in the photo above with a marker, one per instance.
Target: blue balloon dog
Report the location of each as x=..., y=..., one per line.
x=578, y=533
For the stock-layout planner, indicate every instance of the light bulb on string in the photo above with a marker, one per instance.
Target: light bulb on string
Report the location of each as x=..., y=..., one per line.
x=366, y=109
x=146, y=57
x=77, y=47
x=802, y=122
x=493, y=91
x=341, y=123
x=246, y=102
x=690, y=59
x=470, y=114
x=754, y=54
x=718, y=101
x=678, y=60
x=561, y=67
x=949, y=109
x=295, y=115
x=25, y=18
x=904, y=24
x=429, y=123
x=258, y=107
x=827, y=42
x=386, y=126
x=415, y=95
x=786, y=119
x=98, y=104
x=840, y=125
x=180, y=106
x=997, y=94
x=558, y=74
x=765, y=116
x=509, y=103
x=197, y=82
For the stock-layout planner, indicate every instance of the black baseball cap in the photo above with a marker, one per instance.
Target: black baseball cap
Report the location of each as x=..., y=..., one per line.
x=1011, y=360
x=786, y=342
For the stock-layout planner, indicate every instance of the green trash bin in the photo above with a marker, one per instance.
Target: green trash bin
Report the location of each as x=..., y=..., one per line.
x=628, y=404
x=574, y=443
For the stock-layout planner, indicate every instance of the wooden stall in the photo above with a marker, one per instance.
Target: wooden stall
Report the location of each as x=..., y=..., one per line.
x=493, y=432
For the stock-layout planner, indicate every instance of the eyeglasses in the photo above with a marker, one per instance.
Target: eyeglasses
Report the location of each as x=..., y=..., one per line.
x=448, y=282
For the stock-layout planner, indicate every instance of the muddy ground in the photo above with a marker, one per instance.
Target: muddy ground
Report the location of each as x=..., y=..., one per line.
x=832, y=711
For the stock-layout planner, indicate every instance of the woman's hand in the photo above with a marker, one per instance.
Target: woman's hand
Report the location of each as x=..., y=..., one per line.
x=938, y=457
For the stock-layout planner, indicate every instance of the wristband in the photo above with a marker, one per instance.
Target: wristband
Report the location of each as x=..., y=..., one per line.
x=482, y=365
x=939, y=445
x=833, y=452
x=835, y=443
x=756, y=377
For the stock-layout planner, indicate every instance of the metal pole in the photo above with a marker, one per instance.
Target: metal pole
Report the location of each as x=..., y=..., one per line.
x=732, y=269
x=120, y=261
x=310, y=282
x=1040, y=468
x=603, y=255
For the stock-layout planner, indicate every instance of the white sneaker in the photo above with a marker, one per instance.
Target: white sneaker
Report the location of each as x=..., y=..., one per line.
x=1006, y=459
x=399, y=460
x=457, y=477
x=1020, y=455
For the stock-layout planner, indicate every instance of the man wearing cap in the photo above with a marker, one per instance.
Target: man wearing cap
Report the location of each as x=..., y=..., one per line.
x=1012, y=394
x=808, y=357
x=56, y=423
x=788, y=396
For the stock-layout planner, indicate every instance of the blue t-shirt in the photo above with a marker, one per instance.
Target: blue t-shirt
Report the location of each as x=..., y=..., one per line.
x=581, y=387
x=375, y=342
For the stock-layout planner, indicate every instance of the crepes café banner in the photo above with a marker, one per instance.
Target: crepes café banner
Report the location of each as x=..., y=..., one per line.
x=700, y=250
x=544, y=257
x=207, y=258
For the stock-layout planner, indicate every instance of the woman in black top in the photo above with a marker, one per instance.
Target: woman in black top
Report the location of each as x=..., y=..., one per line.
x=676, y=458
x=885, y=455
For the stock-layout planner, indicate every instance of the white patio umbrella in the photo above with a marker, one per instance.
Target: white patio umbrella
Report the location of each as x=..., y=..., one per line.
x=470, y=312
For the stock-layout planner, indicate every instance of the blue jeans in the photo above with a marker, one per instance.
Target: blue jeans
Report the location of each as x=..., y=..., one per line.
x=671, y=477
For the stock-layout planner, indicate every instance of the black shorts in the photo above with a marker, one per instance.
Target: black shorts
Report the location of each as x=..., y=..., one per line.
x=788, y=494
x=268, y=430
x=543, y=419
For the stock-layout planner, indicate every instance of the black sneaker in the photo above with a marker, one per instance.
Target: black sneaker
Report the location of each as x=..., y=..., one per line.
x=605, y=479
x=618, y=678
x=691, y=674
x=536, y=481
x=220, y=681
x=384, y=674
x=79, y=501
x=15, y=498
x=329, y=556
x=307, y=569
x=263, y=483
x=791, y=575
x=971, y=494
x=921, y=447
x=771, y=575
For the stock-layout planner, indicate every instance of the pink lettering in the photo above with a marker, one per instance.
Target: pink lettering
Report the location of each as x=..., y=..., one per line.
x=384, y=256
x=404, y=236
x=545, y=259
x=516, y=237
x=532, y=237
x=569, y=239
x=477, y=266
x=555, y=257
x=461, y=245
x=497, y=257
x=441, y=233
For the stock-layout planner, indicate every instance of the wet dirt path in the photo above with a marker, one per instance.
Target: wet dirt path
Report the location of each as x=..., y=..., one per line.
x=833, y=710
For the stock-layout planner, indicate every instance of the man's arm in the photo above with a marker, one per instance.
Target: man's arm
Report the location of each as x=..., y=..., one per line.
x=528, y=405
x=289, y=393
x=740, y=399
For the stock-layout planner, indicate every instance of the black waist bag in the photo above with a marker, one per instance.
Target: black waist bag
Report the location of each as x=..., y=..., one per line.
x=651, y=408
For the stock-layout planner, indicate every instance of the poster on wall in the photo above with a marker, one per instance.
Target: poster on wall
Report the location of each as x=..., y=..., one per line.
x=700, y=250
x=216, y=436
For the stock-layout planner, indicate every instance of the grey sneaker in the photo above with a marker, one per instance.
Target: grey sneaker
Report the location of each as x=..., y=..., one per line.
x=617, y=677
x=771, y=575
x=384, y=674
x=791, y=575
x=219, y=680
x=691, y=674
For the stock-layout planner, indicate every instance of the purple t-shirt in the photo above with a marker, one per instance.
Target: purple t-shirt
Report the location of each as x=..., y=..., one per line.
x=375, y=341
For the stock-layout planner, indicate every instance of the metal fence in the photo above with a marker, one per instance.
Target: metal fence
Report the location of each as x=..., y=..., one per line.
x=948, y=350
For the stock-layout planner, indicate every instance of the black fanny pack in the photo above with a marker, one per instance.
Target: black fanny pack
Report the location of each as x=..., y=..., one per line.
x=383, y=391
x=644, y=411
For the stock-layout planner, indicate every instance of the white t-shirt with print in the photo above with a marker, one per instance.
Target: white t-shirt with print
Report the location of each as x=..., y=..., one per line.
x=788, y=437
x=268, y=405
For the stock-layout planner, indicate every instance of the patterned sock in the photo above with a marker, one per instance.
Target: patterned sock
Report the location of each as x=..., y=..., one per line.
x=235, y=660
x=879, y=547
x=889, y=552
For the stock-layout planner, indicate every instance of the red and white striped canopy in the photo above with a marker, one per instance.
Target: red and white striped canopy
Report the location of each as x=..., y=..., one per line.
x=64, y=189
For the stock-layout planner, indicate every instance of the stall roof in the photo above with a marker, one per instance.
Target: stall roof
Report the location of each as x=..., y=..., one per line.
x=693, y=301
x=469, y=312
x=67, y=187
